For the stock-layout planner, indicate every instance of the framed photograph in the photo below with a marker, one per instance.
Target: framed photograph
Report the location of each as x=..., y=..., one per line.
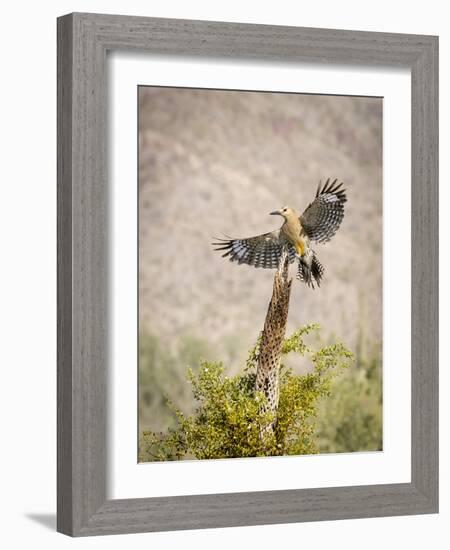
x=247, y=274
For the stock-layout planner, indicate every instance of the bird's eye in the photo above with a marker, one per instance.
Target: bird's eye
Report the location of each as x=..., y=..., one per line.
x=284, y=209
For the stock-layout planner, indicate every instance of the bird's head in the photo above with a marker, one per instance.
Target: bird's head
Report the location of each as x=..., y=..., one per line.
x=286, y=212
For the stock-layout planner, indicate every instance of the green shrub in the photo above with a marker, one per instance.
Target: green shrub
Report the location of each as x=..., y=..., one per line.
x=352, y=420
x=231, y=417
x=161, y=378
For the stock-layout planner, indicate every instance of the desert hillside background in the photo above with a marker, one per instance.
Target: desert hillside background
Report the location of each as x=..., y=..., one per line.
x=217, y=162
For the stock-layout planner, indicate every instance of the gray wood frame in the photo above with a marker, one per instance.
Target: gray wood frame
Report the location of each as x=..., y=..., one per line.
x=83, y=41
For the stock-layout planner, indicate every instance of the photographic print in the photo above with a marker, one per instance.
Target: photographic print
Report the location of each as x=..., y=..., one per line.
x=260, y=274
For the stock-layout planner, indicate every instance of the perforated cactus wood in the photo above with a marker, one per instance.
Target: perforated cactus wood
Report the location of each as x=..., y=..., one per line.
x=269, y=357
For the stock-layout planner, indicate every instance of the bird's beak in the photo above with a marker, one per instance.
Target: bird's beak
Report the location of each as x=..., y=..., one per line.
x=275, y=213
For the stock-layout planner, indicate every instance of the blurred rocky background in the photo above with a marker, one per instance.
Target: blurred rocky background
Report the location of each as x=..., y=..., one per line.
x=215, y=162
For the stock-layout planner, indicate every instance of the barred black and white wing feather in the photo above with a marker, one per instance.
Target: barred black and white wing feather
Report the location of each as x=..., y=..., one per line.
x=260, y=251
x=324, y=215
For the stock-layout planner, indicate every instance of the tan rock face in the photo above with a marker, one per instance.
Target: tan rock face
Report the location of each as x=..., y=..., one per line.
x=217, y=162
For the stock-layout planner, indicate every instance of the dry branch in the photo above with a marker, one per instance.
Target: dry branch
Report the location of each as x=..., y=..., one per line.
x=269, y=356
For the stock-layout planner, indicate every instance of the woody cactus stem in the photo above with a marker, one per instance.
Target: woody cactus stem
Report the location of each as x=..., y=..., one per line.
x=269, y=355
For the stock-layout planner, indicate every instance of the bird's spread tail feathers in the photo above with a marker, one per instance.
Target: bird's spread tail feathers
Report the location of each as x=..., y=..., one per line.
x=310, y=269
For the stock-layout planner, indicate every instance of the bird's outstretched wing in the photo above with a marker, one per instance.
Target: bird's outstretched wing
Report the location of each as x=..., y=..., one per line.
x=324, y=215
x=260, y=251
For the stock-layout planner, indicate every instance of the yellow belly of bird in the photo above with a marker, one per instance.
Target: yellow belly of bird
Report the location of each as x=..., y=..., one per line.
x=293, y=233
x=300, y=247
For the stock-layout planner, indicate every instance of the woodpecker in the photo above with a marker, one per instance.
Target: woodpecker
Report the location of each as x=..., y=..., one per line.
x=318, y=223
